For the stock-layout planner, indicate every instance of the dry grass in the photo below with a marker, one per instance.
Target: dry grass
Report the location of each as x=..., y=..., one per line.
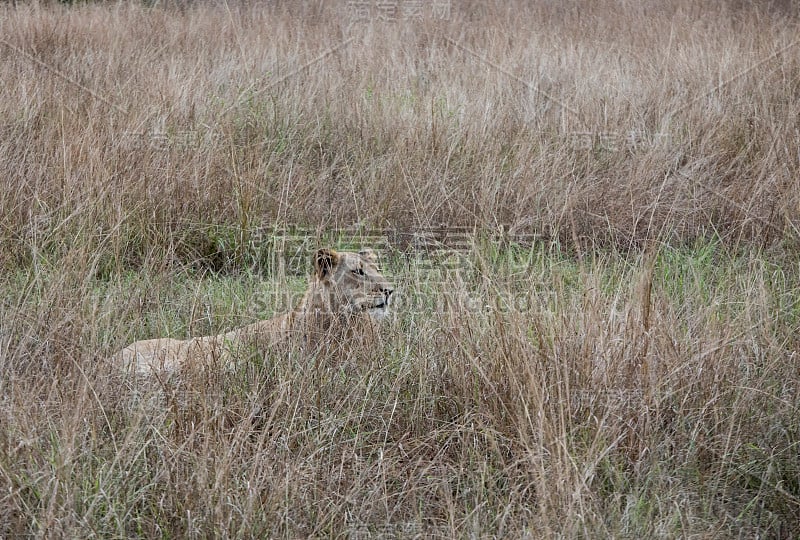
x=610, y=352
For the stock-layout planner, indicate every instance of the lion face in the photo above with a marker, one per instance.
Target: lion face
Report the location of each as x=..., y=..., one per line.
x=353, y=281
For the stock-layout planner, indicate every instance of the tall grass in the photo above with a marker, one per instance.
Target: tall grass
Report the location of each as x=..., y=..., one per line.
x=590, y=211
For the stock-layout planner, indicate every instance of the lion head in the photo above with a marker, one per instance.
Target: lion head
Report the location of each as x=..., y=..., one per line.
x=350, y=282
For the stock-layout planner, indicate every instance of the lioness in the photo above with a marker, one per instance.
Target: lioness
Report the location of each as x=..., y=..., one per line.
x=346, y=294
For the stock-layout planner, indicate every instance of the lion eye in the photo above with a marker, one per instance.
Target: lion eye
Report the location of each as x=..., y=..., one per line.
x=359, y=271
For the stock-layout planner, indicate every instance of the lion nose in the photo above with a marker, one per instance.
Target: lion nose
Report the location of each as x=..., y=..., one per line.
x=387, y=291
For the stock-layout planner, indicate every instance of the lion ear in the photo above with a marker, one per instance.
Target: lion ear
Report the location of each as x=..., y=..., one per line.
x=368, y=255
x=324, y=262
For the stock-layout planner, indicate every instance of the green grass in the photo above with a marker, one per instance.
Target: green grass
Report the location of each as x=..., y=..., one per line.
x=468, y=418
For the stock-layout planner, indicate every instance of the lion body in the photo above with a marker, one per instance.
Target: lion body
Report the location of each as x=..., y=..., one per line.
x=346, y=296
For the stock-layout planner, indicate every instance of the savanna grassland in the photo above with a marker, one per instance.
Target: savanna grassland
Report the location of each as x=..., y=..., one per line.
x=590, y=211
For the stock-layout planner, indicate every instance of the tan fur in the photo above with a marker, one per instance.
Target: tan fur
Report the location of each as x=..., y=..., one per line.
x=346, y=295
